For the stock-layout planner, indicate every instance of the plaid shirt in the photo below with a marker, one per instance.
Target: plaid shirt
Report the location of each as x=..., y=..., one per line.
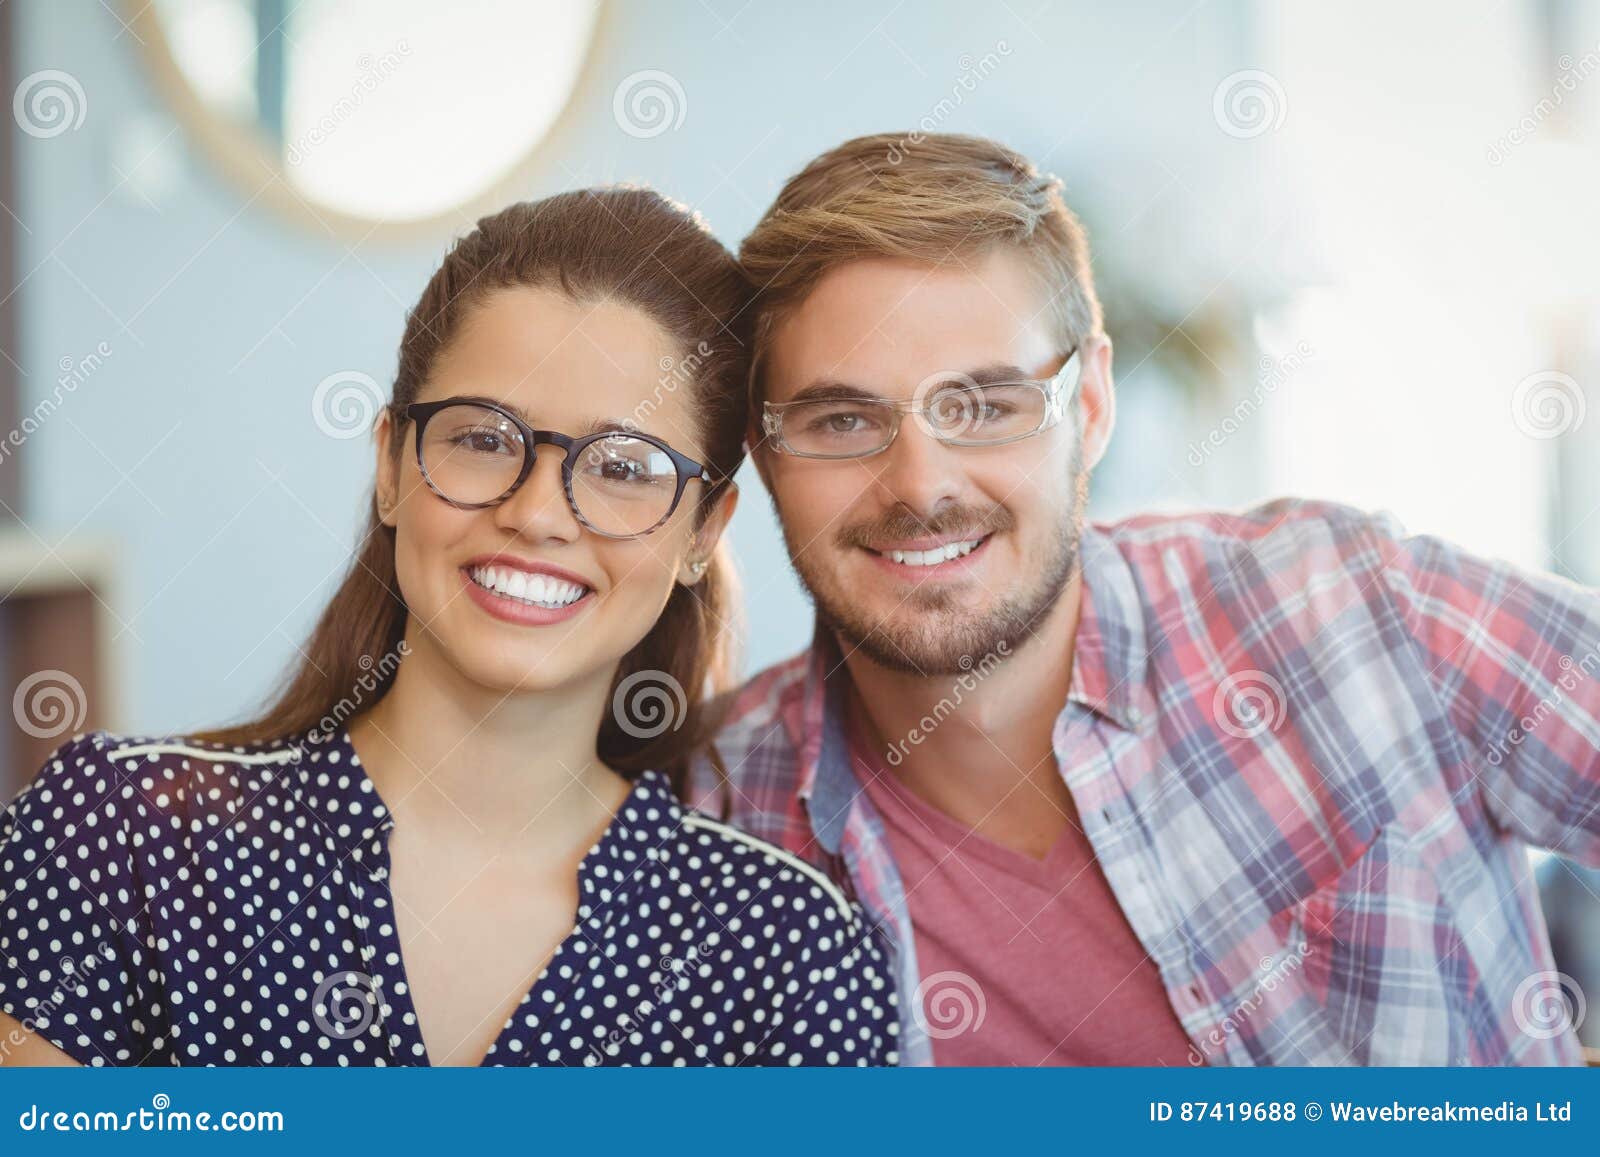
x=1309, y=753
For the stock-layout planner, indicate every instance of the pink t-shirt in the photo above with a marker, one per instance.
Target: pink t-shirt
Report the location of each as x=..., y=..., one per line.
x=1023, y=961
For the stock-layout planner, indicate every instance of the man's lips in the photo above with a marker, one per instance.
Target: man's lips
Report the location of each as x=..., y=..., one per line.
x=947, y=555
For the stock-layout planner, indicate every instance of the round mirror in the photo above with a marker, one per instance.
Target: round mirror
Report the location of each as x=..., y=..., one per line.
x=376, y=113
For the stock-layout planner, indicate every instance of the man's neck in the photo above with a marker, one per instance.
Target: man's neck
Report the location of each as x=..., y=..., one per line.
x=987, y=761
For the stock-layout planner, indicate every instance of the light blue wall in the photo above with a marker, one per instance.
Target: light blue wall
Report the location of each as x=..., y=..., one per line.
x=221, y=318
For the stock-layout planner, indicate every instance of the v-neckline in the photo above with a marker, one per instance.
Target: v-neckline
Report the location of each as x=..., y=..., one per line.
x=962, y=840
x=951, y=832
x=404, y=1024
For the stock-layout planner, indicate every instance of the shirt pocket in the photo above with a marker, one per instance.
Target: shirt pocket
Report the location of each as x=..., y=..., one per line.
x=1383, y=976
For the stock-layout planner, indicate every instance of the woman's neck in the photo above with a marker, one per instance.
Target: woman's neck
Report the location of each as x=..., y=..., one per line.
x=458, y=760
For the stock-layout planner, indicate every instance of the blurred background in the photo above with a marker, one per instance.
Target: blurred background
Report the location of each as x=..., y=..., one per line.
x=1347, y=251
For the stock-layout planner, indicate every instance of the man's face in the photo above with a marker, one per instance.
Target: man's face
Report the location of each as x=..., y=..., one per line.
x=886, y=327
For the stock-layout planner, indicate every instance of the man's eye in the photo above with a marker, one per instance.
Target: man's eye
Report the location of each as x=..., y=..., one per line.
x=840, y=422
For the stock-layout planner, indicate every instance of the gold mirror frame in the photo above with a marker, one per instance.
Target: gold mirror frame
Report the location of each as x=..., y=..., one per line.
x=247, y=164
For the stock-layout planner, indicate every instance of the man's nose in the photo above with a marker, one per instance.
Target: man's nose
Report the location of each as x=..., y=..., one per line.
x=919, y=470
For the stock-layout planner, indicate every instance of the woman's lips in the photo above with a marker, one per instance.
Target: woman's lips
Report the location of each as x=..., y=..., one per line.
x=515, y=611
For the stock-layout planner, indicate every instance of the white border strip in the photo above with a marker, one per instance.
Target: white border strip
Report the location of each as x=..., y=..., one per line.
x=217, y=756
x=694, y=819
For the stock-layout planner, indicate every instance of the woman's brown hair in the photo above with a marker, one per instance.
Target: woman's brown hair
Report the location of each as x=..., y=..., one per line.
x=627, y=245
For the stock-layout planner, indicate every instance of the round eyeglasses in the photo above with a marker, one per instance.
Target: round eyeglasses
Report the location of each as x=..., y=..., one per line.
x=474, y=453
x=952, y=407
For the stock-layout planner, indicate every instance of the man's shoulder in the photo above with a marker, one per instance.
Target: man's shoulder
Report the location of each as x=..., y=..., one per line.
x=763, y=703
x=1284, y=537
x=1263, y=524
x=757, y=731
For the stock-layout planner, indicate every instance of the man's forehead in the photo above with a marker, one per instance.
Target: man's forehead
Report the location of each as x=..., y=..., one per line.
x=886, y=326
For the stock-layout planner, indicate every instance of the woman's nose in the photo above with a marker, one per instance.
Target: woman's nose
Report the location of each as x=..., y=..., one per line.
x=539, y=508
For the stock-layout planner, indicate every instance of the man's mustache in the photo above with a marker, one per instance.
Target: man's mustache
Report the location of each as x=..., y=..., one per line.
x=901, y=523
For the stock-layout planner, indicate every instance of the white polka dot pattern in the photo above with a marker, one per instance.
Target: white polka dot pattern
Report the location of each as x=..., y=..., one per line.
x=164, y=902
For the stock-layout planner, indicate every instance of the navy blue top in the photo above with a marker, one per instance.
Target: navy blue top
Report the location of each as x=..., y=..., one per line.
x=167, y=902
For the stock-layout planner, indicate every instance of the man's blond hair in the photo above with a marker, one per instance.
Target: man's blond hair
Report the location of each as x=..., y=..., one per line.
x=939, y=198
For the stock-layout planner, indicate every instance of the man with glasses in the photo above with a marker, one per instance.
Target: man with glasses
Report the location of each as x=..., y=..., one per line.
x=1220, y=789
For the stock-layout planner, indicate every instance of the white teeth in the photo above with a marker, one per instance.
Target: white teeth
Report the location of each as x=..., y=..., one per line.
x=536, y=589
x=932, y=557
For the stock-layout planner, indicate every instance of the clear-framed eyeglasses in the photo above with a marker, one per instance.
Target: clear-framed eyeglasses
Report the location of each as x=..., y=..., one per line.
x=953, y=408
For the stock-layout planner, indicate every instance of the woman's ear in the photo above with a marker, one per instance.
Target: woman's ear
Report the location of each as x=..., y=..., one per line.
x=387, y=488
x=693, y=567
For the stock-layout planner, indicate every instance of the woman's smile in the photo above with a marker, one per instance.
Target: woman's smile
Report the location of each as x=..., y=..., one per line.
x=523, y=592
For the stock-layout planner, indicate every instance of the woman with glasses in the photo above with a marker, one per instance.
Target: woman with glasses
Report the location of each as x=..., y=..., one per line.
x=454, y=837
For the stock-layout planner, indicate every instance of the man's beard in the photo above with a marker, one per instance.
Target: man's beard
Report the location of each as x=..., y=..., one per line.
x=935, y=631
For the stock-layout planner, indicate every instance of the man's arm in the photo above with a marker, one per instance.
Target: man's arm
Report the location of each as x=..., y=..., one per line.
x=1515, y=657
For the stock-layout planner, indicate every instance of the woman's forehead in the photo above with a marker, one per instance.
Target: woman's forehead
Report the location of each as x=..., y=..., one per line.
x=571, y=365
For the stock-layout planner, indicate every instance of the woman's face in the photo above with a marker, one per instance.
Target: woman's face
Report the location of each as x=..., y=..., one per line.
x=468, y=576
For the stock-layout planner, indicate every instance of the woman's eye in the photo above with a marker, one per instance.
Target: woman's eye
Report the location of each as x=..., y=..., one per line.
x=629, y=470
x=481, y=441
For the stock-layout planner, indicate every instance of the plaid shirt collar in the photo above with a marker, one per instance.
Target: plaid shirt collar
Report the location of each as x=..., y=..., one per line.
x=1108, y=678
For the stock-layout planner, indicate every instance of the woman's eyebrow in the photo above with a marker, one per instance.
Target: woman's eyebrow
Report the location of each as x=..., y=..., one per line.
x=613, y=425
x=593, y=426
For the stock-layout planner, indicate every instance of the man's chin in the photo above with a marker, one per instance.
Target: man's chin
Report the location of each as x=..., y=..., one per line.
x=941, y=629
x=941, y=645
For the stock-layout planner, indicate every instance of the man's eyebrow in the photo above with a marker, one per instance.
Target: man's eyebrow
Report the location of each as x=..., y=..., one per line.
x=826, y=390
x=831, y=390
x=998, y=372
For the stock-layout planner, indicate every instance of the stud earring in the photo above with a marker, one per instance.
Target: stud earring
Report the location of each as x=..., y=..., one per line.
x=697, y=568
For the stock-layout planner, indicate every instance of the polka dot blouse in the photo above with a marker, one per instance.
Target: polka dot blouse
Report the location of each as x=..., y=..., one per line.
x=163, y=902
